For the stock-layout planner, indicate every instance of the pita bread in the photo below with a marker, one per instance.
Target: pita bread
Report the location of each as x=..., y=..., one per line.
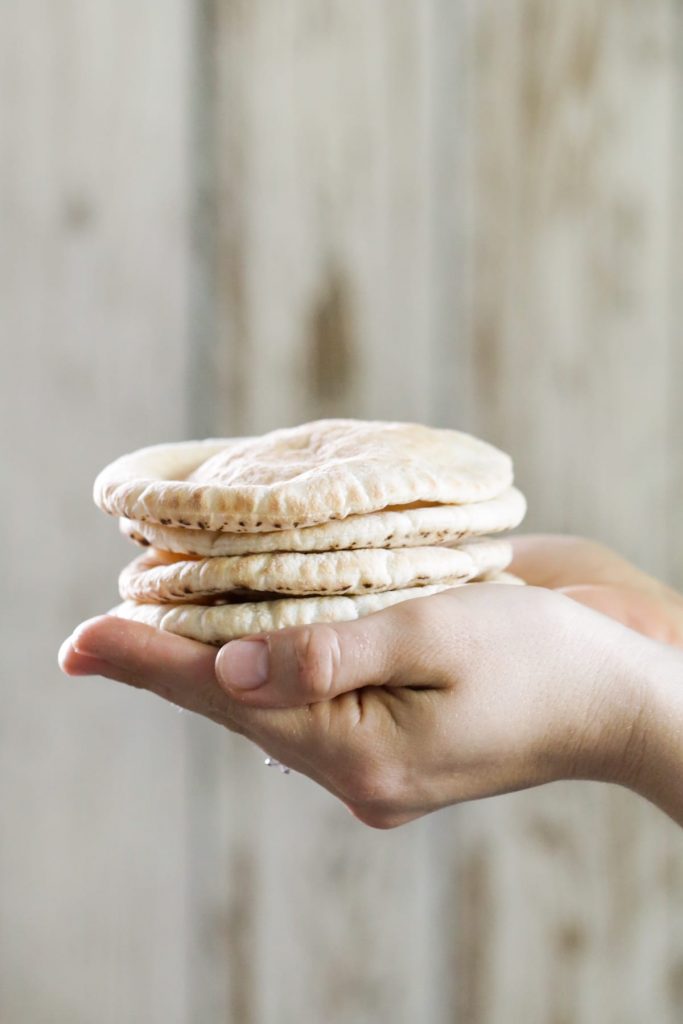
x=163, y=577
x=435, y=524
x=218, y=624
x=301, y=476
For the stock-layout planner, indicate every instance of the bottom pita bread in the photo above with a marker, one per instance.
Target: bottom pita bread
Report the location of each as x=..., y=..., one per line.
x=218, y=624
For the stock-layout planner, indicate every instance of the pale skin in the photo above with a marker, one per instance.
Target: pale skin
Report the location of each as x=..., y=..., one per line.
x=476, y=691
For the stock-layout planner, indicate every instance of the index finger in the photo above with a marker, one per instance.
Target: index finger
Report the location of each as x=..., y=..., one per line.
x=182, y=671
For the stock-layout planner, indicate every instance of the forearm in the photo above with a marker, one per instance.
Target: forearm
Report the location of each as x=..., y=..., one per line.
x=655, y=749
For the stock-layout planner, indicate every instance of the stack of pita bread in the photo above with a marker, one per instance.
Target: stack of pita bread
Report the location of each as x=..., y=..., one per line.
x=323, y=522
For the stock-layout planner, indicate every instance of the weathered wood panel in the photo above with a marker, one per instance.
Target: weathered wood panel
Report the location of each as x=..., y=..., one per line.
x=93, y=269
x=323, y=148
x=321, y=230
x=570, y=898
x=463, y=213
x=675, y=389
x=573, y=127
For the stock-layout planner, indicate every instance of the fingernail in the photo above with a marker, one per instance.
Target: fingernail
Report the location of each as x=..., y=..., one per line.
x=81, y=640
x=73, y=663
x=243, y=664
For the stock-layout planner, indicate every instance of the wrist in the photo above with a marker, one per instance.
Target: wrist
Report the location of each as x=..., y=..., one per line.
x=627, y=717
x=656, y=771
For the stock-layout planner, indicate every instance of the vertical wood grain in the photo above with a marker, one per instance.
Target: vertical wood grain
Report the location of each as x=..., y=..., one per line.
x=573, y=127
x=571, y=341
x=93, y=282
x=323, y=254
x=461, y=212
x=324, y=153
x=343, y=222
x=676, y=378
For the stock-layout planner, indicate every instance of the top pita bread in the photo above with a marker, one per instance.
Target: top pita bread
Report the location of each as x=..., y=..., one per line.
x=301, y=476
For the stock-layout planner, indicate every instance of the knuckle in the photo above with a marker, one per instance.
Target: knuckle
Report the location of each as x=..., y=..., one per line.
x=418, y=613
x=317, y=656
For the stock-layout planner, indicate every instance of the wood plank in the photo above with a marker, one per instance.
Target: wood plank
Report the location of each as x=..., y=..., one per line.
x=316, y=163
x=676, y=376
x=569, y=893
x=573, y=232
x=93, y=270
x=353, y=177
x=324, y=148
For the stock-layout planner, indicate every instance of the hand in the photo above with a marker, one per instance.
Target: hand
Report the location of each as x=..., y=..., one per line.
x=479, y=690
x=599, y=578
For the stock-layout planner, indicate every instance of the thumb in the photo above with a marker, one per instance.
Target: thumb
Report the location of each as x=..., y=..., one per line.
x=307, y=664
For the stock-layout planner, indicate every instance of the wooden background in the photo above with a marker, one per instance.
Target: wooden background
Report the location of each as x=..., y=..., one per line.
x=226, y=215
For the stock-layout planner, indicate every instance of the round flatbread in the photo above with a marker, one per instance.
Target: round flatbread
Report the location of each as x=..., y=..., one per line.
x=218, y=624
x=435, y=524
x=301, y=476
x=163, y=577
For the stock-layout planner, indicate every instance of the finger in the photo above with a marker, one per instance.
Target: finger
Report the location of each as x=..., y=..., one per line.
x=556, y=560
x=74, y=664
x=639, y=610
x=328, y=741
x=551, y=560
x=405, y=645
x=141, y=649
x=170, y=666
x=174, y=668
